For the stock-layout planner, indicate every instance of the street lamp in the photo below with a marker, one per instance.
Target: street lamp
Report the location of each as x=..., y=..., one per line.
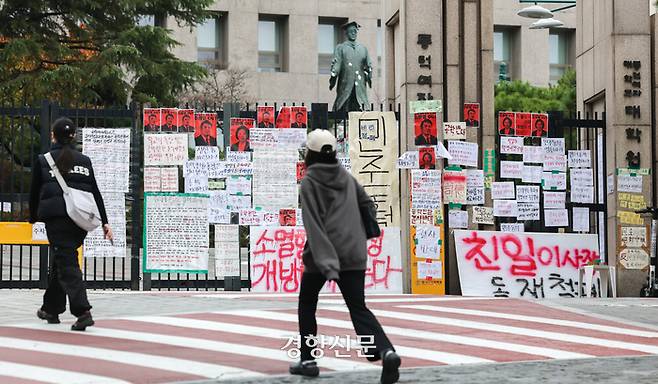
x=544, y=15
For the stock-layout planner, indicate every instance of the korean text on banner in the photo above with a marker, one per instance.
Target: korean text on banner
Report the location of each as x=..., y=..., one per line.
x=530, y=265
x=373, y=143
x=276, y=260
x=176, y=232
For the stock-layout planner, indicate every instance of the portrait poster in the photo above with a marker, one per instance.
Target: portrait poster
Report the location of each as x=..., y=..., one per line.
x=298, y=117
x=426, y=158
x=425, y=130
x=283, y=118
x=472, y=114
x=152, y=119
x=169, y=120
x=240, y=128
x=205, y=132
x=523, y=123
x=288, y=217
x=506, y=123
x=265, y=116
x=539, y=124
x=185, y=120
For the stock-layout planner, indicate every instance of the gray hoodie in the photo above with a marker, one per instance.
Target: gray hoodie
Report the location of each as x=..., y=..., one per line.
x=335, y=236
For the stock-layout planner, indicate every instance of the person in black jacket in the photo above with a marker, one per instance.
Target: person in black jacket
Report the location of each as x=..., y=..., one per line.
x=336, y=250
x=65, y=237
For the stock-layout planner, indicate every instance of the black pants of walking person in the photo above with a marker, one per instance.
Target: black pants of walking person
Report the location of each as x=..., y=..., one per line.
x=65, y=277
x=351, y=286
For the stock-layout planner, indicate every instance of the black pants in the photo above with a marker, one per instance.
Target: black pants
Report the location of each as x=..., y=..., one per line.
x=65, y=277
x=351, y=286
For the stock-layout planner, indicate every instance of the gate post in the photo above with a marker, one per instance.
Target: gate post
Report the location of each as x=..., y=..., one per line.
x=135, y=180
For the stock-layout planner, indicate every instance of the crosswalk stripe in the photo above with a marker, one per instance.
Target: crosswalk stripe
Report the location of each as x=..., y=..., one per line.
x=218, y=346
x=425, y=335
x=157, y=362
x=512, y=330
x=418, y=353
x=398, y=300
x=51, y=375
x=534, y=319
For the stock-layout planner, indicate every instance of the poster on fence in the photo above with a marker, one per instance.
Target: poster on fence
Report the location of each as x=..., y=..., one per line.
x=276, y=260
x=176, y=233
x=165, y=149
x=528, y=265
x=109, y=151
x=95, y=244
x=227, y=251
x=373, y=143
x=274, y=181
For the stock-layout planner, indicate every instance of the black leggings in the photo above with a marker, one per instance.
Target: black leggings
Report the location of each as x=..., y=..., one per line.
x=65, y=277
x=351, y=285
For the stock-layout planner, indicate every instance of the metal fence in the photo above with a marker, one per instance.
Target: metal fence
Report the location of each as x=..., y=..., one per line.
x=25, y=132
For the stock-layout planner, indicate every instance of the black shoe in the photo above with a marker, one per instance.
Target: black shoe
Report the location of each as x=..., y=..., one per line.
x=373, y=356
x=51, y=319
x=83, y=322
x=305, y=368
x=390, y=364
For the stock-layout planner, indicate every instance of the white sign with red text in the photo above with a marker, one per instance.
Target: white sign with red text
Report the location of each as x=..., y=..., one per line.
x=528, y=265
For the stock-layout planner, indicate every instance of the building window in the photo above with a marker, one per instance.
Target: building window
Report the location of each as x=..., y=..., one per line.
x=330, y=34
x=559, y=57
x=502, y=54
x=271, y=44
x=380, y=47
x=211, y=42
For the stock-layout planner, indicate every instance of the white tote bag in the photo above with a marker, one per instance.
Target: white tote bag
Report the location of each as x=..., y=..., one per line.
x=80, y=205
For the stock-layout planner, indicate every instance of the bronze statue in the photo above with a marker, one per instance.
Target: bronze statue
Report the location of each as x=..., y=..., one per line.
x=352, y=69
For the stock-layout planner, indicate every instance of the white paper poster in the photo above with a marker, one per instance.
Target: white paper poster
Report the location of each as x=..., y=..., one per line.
x=426, y=189
x=488, y=263
x=580, y=158
x=109, y=151
x=431, y=270
x=458, y=218
x=628, y=183
x=511, y=169
x=408, y=160
x=39, y=232
x=152, y=181
x=554, y=181
x=580, y=217
x=528, y=211
x=555, y=163
x=463, y=153
x=527, y=193
x=533, y=154
x=502, y=190
x=512, y=227
x=581, y=176
x=176, y=233
x=511, y=145
x=582, y=194
x=274, y=181
x=95, y=244
x=483, y=215
x=196, y=184
x=238, y=156
x=227, y=251
x=556, y=217
x=170, y=149
x=555, y=200
x=205, y=154
x=505, y=208
x=532, y=174
x=427, y=241
x=552, y=146
x=454, y=130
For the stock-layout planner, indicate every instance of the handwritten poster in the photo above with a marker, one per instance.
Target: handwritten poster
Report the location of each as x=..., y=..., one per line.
x=408, y=160
x=580, y=219
x=474, y=186
x=483, y=215
x=176, y=233
x=95, y=244
x=454, y=130
x=512, y=227
x=426, y=189
x=374, y=158
x=427, y=241
x=532, y=174
x=582, y=194
x=165, y=149
x=533, y=154
x=276, y=260
x=274, y=181
x=554, y=181
x=528, y=211
x=505, y=208
x=581, y=176
x=555, y=200
x=227, y=251
x=556, y=217
x=552, y=146
x=527, y=193
x=109, y=151
x=511, y=169
x=511, y=145
x=458, y=218
x=502, y=190
x=454, y=187
x=580, y=158
x=206, y=154
x=490, y=263
x=555, y=163
x=629, y=183
x=463, y=153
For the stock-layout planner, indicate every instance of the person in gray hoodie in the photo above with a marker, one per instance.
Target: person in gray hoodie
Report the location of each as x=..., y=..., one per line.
x=335, y=250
